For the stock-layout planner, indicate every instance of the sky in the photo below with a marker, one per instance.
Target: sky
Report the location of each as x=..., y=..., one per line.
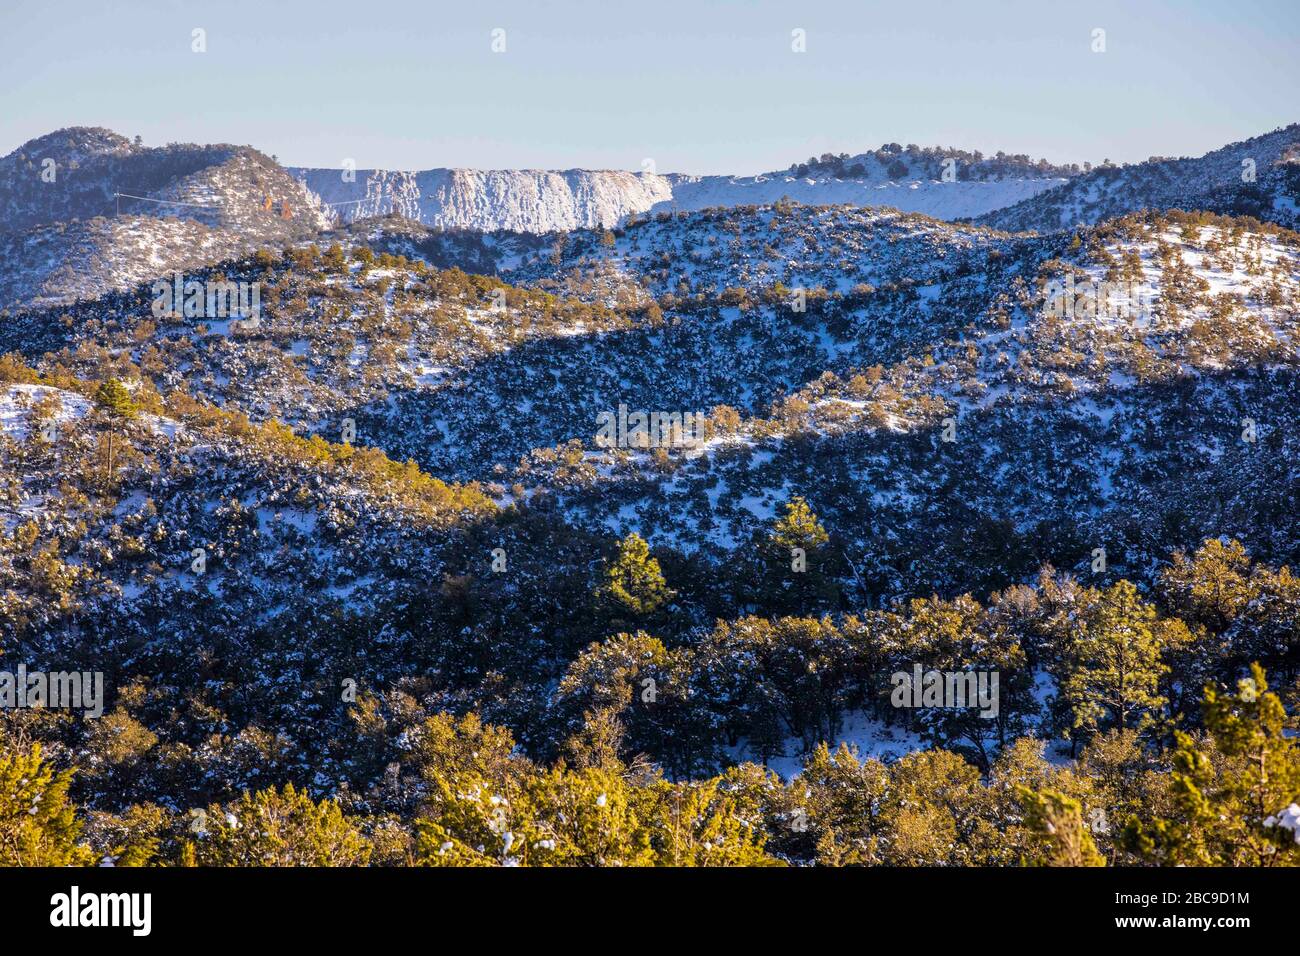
x=693, y=87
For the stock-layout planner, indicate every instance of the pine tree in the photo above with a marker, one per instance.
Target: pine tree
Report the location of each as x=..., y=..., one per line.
x=1063, y=839
x=475, y=809
x=38, y=826
x=933, y=810
x=1114, y=664
x=116, y=403
x=1235, y=796
x=1210, y=588
x=798, y=527
x=794, y=562
x=634, y=584
x=594, y=817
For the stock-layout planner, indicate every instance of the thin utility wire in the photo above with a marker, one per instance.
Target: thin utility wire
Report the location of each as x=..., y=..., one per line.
x=198, y=205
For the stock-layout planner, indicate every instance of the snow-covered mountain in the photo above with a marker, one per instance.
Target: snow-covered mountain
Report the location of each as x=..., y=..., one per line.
x=71, y=224
x=911, y=179
x=84, y=210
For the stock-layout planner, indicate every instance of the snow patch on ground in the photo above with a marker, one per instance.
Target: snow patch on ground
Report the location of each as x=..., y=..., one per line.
x=17, y=401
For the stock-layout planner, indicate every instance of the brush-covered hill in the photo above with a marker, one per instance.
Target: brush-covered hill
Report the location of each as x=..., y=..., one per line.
x=959, y=421
x=77, y=173
x=832, y=350
x=275, y=593
x=1258, y=177
x=86, y=259
x=66, y=233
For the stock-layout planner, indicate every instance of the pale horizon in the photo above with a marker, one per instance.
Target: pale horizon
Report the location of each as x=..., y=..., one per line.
x=699, y=90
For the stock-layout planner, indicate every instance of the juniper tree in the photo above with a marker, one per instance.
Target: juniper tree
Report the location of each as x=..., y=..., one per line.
x=38, y=826
x=703, y=824
x=1063, y=839
x=601, y=693
x=280, y=828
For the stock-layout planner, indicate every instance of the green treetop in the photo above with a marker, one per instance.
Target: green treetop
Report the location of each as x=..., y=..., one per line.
x=634, y=582
x=116, y=403
x=798, y=527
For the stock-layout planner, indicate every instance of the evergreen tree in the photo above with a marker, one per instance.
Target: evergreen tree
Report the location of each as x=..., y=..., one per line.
x=605, y=685
x=703, y=824
x=1269, y=630
x=1211, y=587
x=38, y=826
x=798, y=527
x=839, y=805
x=1063, y=837
x=1126, y=780
x=959, y=636
x=280, y=828
x=594, y=817
x=934, y=810
x=634, y=584
x=794, y=562
x=1114, y=665
x=113, y=399
x=1235, y=795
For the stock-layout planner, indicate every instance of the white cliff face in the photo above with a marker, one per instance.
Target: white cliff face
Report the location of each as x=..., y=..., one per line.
x=529, y=201
x=519, y=200
x=540, y=201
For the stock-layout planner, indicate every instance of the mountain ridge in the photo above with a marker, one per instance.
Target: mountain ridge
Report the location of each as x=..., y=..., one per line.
x=1258, y=176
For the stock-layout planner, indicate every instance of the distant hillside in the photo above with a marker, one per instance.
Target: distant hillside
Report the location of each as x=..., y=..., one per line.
x=911, y=179
x=76, y=173
x=85, y=259
x=1258, y=177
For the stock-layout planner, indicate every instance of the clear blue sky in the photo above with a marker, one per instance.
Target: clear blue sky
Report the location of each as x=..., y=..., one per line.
x=697, y=86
